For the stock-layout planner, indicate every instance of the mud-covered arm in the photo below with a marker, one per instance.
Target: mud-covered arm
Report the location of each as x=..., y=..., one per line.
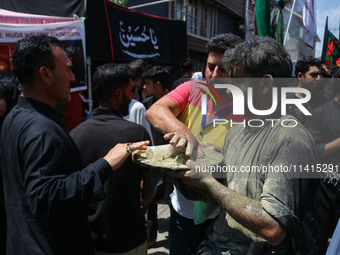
x=246, y=211
x=162, y=115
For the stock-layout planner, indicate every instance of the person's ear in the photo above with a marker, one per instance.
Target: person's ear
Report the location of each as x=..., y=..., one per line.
x=45, y=74
x=116, y=97
x=119, y=93
x=158, y=84
x=300, y=75
x=267, y=84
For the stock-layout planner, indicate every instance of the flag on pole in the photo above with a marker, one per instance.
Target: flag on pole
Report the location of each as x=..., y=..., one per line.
x=276, y=18
x=325, y=42
x=309, y=20
x=331, y=48
x=262, y=17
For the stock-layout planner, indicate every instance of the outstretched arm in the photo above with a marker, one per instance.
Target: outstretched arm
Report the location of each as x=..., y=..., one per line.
x=118, y=154
x=246, y=211
x=162, y=115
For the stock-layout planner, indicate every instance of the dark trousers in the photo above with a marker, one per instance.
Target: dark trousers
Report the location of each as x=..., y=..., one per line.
x=184, y=236
x=152, y=218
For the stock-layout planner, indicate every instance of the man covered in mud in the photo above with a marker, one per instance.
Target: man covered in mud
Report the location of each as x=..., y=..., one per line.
x=261, y=210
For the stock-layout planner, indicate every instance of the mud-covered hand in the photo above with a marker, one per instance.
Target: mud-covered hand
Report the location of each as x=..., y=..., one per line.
x=181, y=139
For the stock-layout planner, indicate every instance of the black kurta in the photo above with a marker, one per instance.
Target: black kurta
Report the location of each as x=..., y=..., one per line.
x=46, y=189
x=117, y=222
x=324, y=124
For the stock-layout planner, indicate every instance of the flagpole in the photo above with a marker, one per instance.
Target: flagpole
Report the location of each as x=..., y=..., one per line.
x=325, y=43
x=246, y=21
x=288, y=25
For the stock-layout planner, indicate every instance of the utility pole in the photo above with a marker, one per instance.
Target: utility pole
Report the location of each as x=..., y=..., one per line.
x=246, y=21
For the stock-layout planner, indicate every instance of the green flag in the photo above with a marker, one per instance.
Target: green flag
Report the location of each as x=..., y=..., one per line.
x=262, y=14
x=277, y=25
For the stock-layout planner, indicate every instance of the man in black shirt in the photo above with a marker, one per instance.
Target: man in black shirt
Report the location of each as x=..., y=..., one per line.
x=47, y=188
x=324, y=125
x=117, y=222
x=8, y=98
x=308, y=70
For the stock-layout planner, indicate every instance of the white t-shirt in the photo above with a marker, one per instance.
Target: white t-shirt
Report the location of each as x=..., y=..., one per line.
x=137, y=115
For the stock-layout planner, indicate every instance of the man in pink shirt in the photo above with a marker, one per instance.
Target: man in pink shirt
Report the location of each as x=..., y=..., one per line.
x=170, y=115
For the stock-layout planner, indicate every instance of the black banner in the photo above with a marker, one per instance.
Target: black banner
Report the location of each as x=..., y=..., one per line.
x=134, y=35
x=60, y=8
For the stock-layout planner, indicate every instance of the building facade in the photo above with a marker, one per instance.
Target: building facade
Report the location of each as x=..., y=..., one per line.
x=208, y=18
x=295, y=43
x=204, y=20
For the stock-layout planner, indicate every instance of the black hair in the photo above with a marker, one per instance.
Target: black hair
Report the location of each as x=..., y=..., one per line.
x=221, y=43
x=108, y=78
x=31, y=53
x=9, y=92
x=257, y=57
x=303, y=64
x=138, y=67
x=186, y=65
x=157, y=73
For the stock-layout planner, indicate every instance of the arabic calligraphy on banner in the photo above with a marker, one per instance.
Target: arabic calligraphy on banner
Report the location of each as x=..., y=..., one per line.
x=131, y=36
x=134, y=35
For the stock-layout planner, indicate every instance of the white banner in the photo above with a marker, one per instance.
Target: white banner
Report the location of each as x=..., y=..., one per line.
x=309, y=20
x=71, y=33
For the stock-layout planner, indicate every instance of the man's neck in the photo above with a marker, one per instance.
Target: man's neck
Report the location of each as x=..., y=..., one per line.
x=160, y=94
x=187, y=74
x=299, y=94
x=109, y=107
x=38, y=97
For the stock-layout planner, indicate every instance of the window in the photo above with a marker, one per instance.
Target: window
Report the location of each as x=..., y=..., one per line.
x=179, y=9
x=192, y=17
x=199, y=17
x=208, y=21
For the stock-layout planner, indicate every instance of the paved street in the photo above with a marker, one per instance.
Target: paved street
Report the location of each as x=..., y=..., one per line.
x=161, y=246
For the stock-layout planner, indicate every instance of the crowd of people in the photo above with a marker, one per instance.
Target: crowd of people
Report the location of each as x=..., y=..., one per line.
x=84, y=193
